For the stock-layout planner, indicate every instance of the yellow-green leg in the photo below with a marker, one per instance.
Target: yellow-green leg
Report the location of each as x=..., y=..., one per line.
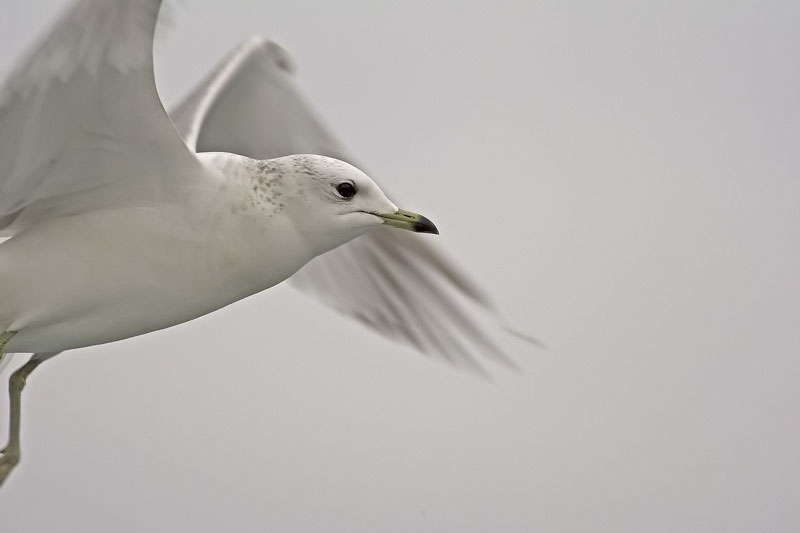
x=9, y=456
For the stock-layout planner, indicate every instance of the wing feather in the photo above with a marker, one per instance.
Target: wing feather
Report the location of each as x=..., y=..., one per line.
x=81, y=123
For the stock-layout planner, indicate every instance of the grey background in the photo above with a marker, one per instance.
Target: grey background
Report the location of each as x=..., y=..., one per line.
x=622, y=176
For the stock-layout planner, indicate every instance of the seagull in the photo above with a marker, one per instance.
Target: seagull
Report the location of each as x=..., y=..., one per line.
x=121, y=220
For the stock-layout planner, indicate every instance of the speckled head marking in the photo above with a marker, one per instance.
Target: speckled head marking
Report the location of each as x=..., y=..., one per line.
x=267, y=184
x=256, y=187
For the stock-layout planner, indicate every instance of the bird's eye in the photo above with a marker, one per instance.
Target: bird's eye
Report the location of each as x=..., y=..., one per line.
x=346, y=189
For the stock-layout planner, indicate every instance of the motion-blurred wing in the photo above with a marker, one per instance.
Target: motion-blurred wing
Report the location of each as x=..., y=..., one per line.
x=392, y=281
x=81, y=124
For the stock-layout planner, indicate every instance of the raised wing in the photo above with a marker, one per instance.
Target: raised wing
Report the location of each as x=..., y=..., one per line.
x=394, y=282
x=81, y=123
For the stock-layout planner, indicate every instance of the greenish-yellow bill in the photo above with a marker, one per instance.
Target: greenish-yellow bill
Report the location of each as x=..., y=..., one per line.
x=411, y=221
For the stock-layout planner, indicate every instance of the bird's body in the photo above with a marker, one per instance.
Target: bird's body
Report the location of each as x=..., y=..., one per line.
x=121, y=222
x=114, y=272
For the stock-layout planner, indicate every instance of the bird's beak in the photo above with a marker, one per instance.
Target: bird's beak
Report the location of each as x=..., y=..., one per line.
x=411, y=221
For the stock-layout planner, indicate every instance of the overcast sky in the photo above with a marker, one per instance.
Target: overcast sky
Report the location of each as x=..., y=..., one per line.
x=623, y=177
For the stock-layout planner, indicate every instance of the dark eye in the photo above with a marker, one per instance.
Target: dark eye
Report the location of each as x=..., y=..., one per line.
x=346, y=189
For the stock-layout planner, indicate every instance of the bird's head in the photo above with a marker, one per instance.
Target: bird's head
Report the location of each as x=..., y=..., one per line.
x=331, y=202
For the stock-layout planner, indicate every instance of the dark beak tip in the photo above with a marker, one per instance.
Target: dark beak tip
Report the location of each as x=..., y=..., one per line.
x=424, y=225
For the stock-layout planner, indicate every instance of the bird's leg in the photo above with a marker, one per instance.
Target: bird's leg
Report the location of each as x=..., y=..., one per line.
x=10, y=454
